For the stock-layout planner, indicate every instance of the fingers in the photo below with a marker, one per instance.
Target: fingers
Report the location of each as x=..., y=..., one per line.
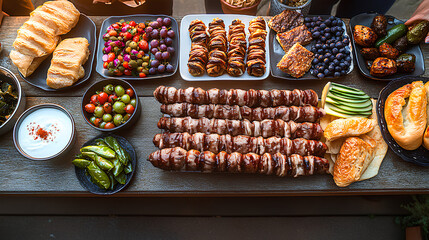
x=412, y=20
x=427, y=38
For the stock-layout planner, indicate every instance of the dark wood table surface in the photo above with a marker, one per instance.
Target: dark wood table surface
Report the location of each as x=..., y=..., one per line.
x=19, y=175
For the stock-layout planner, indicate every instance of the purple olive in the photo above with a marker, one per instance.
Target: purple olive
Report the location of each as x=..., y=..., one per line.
x=166, y=21
x=171, y=33
x=154, y=33
x=154, y=63
x=161, y=68
x=154, y=43
x=154, y=51
x=168, y=41
x=163, y=33
x=165, y=55
x=149, y=30
x=170, y=68
x=171, y=50
x=152, y=71
x=163, y=47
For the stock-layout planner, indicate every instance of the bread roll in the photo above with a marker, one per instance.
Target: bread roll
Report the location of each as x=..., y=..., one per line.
x=26, y=64
x=405, y=114
x=348, y=127
x=355, y=156
x=426, y=134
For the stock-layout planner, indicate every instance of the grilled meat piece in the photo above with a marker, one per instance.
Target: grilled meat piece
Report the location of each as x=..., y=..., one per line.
x=379, y=25
x=386, y=50
x=382, y=67
x=297, y=114
x=370, y=53
x=299, y=35
x=297, y=61
x=364, y=36
x=265, y=128
x=250, y=98
x=401, y=44
x=178, y=159
x=241, y=144
x=286, y=20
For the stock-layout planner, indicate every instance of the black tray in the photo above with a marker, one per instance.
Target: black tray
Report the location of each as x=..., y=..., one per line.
x=138, y=18
x=84, y=28
x=420, y=156
x=366, y=20
x=276, y=54
x=85, y=180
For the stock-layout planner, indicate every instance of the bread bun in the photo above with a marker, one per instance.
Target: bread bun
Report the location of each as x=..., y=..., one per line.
x=348, y=127
x=426, y=135
x=405, y=114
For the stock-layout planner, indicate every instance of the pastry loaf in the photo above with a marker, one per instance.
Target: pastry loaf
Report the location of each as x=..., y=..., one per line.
x=67, y=60
x=348, y=127
x=355, y=156
x=426, y=134
x=26, y=64
x=405, y=114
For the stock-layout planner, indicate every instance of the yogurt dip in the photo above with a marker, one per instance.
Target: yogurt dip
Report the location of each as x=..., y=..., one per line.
x=44, y=132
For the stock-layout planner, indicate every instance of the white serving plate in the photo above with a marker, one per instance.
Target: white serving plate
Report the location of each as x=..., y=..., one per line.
x=185, y=46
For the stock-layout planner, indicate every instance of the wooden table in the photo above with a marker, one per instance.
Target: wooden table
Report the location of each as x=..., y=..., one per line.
x=22, y=176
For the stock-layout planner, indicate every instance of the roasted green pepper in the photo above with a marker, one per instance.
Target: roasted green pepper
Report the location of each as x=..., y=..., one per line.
x=100, y=161
x=120, y=152
x=118, y=166
x=98, y=176
x=105, y=152
x=100, y=142
x=121, y=178
x=418, y=32
x=128, y=168
x=81, y=163
x=406, y=63
x=112, y=181
x=392, y=34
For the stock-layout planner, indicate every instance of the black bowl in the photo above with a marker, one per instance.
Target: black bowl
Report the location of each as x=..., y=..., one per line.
x=366, y=19
x=420, y=156
x=98, y=86
x=85, y=179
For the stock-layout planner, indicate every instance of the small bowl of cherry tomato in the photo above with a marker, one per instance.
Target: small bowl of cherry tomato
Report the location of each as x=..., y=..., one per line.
x=111, y=105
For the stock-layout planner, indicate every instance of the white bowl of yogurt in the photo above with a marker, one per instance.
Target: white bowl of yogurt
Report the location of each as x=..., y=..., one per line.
x=44, y=132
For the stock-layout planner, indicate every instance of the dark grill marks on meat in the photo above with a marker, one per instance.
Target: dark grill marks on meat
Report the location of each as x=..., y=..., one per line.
x=179, y=159
x=241, y=144
x=286, y=20
x=297, y=114
x=198, y=56
x=265, y=128
x=250, y=98
x=256, y=52
x=216, y=65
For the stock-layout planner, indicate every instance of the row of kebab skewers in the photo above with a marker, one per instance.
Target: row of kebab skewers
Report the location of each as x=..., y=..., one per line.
x=267, y=132
x=217, y=53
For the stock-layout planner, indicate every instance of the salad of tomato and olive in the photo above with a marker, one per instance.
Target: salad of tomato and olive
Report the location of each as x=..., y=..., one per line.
x=111, y=107
x=138, y=49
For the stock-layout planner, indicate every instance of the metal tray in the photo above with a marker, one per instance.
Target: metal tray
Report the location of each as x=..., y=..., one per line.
x=277, y=52
x=137, y=18
x=85, y=27
x=366, y=20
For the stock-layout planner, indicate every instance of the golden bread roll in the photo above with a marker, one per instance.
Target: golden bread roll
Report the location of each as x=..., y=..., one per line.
x=348, y=127
x=426, y=134
x=26, y=64
x=354, y=157
x=405, y=114
x=66, y=64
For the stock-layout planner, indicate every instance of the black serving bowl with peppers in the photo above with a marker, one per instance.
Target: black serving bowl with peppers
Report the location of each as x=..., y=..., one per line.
x=97, y=88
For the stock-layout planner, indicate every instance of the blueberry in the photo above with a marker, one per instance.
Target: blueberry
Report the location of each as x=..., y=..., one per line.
x=328, y=22
x=324, y=46
x=336, y=62
x=307, y=19
x=316, y=34
x=314, y=19
x=326, y=61
x=337, y=74
x=346, y=41
x=341, y=50
x=323, y=38
x=331, y=67
x=318, y=23
x=326, y=72
x=308, y=25
x=338, y=44
x=317, y=29
x=320, y=58
x=320, y=75
x=338, y=34
x=315, y=61
x=337, y=38
x=328, y=30
x=334, y=23
x=347, y=63
x=342, y=65
x=334, y=51
x=337, y=68
x=319, y=18
x=331, y=58
x=327, y=35
x=339, y=56
x=320, y=51
x=313, y=49
x=343, y=72
x=327, y=55
x=312, y=72
x=348, y=59
x=332, y=46
x=346, y=52
x=322, y=26
x=318, y=46
x=312, y=24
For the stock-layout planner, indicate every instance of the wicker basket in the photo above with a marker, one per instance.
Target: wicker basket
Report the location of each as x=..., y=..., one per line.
x=230, y=9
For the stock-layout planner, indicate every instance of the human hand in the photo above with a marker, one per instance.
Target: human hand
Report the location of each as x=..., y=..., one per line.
x=421, y=13
x=102, y=1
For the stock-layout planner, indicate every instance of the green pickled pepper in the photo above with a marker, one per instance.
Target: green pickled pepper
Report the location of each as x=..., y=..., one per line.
x=105, y=152
x=81, y=163
x=418, y=32
x=98, y=176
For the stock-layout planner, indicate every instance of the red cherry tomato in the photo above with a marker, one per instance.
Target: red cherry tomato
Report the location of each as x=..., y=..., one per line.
x=107, y=107
x=125, y=64
x=136, y=38
x=142, y=25
x=132, y=23
x=142, y=75
x=105, y=64
x=113, y=33
x=109, y=125
x=110, y=57
x=128, y=36
x=89, y=108
x=143, y=45
x=97, y=122
x=103, y=97
x=145, y=37
x=130, y=92
x=115, y=26
x=128, y=72
x=118, y=73
x=94, y=99
x=129, y=109
x=112, y=98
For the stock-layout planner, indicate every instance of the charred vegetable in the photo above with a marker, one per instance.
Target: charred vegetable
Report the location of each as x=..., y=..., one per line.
x=418, y=32
x=388, y=51
x=8, y=100
x=370, y=53
x=406, y=63
x=382, y=67
x=379, y=25
x=364, y=36
x=401, y=44
x=392, y=34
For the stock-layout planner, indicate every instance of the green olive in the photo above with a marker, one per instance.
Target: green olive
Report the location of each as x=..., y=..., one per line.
x=98, y=111
x=111, y=65
x=139, y=62
x=107, y=117
x=145, y=71
x=128, y=43
x=120, y=38
x=119, y=107
x=145, y=64
x=116, y=49
x=133, y=102
x=126, y=117
x=113, y=38
x=121, y=68
x=146, y=58
x=125, y=98
x=119, y=90
x=102, y=124
x=108, y=89
x=133, y=64
x=133, y=45
x=92, y=119
x=117, y=119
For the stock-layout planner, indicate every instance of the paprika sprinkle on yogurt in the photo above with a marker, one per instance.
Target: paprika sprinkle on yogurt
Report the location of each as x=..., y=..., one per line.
x=38, y=132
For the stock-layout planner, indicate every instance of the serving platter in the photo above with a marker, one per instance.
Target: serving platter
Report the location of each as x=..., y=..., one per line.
x=185, y=46
x=420, y=156
x=85, y=27
x=277, y=52
x=139, y=18
x=366, y=20
x=85, y=179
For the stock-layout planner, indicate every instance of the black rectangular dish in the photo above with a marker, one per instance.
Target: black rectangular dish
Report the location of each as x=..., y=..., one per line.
x=139, y=18
x=277, y=52
x=85, y=27
x=365, y=19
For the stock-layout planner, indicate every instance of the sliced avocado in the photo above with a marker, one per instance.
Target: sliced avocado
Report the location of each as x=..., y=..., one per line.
x=348, y=95
x=346, y=100
x=361, y=105
x=339, y=110
x=345, y=90
x=325, y=92
x=346, y=87
x=329, y=111
x=353, y=109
